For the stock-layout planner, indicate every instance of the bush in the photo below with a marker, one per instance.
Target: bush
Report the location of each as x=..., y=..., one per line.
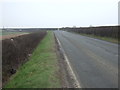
x=104, y=31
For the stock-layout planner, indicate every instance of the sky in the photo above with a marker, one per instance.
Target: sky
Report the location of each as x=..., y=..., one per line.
x=58, y=13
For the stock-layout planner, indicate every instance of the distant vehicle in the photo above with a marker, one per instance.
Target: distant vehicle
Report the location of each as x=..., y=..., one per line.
x=20, y=30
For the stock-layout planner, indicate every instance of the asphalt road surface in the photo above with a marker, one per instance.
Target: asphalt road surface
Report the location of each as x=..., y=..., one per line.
x=94, y=62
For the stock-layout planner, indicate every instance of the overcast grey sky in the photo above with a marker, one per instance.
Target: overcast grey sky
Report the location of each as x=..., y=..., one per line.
x=58, y=13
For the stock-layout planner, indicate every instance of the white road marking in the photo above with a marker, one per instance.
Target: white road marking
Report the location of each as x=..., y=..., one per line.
x=72, y=74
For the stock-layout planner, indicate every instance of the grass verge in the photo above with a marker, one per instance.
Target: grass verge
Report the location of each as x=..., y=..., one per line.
x=41, y=69
x=113, y=40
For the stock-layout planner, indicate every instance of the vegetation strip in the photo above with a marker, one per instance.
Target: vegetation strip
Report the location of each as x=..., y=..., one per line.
x=113, y=40
x=41, y=69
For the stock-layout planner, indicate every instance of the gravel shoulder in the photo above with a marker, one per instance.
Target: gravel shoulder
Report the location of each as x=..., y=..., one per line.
x=65, y=78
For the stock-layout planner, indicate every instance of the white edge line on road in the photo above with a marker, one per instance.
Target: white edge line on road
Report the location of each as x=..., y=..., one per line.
x=76, y=82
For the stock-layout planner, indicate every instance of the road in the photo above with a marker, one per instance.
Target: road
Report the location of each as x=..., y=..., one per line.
x=94, y=62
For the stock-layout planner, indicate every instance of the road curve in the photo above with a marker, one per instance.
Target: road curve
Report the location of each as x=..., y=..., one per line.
x=95, y=62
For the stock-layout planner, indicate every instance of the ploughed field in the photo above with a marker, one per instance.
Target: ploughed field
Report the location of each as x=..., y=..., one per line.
x=9, y=34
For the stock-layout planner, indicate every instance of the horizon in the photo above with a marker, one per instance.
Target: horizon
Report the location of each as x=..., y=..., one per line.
x=54, y=27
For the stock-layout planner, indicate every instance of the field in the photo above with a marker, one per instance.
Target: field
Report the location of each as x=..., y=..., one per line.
x=9, y=34
x=41, y=69
x=15, y=52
